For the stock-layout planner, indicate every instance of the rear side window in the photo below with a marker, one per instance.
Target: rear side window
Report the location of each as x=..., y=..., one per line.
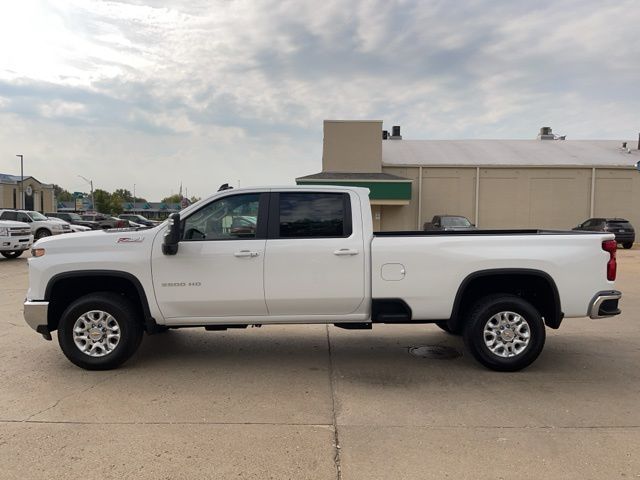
x=314, y=215
x=9, y=216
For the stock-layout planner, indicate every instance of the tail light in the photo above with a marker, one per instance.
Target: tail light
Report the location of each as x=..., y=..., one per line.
x=611, y=246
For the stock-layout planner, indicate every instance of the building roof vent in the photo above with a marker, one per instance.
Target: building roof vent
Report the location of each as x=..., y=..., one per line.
x=546, y=134
x=395, y=133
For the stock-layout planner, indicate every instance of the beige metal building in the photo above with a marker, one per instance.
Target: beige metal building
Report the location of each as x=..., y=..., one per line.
x=546, y=182
x=37, y=196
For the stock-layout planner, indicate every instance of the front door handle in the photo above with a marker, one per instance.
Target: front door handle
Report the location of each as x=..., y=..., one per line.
x=345, y=251
x=246, y=253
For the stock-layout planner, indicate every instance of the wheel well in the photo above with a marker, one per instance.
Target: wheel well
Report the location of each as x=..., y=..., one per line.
x=41, y=229
x=61, y=292
x=537, y=288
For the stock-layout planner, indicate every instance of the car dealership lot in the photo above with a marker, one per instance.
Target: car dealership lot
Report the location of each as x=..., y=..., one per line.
x=271, y=402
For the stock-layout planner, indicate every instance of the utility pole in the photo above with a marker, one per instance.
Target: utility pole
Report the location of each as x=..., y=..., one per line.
x=90, y=182
x=21, y=181
x=134, y=193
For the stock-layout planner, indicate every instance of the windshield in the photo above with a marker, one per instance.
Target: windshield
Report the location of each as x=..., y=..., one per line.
x=38, y=217
x=455, y=222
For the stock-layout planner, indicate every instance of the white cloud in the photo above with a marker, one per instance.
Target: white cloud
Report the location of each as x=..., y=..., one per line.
x=208, y=91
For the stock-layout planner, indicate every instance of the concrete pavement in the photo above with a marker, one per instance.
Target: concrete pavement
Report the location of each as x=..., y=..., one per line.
x=322, y=403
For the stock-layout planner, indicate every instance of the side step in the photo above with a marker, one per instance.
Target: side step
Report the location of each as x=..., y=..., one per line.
x=224, y=327
x=354, y=326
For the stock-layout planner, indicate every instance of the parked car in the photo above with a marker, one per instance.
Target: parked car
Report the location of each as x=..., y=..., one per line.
x=621, y=228
x=105, y=221
x=74, y=228
x=15, y=238
x=40, y=225
x=139, y=219
x=449, y=222
x=74, y=219
x=313, y=258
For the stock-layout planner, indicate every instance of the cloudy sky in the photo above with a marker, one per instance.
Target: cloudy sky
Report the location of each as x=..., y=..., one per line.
x=158, y=93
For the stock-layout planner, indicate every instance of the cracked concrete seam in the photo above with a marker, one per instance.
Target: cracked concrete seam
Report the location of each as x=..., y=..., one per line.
x=336, y=437
x=57, y=402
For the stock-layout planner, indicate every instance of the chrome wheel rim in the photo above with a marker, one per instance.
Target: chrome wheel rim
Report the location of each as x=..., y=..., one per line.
x=96, y=333
x=507, y=334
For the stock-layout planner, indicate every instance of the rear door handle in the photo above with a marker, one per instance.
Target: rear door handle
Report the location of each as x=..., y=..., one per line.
x=345, y=251
x=246, y=253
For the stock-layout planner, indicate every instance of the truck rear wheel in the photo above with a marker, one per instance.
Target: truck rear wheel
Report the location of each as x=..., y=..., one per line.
x=504, y=333
x=100, y=331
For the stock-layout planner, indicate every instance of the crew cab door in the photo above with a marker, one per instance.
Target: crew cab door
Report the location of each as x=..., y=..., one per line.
x=218, y=270
x=314, y=262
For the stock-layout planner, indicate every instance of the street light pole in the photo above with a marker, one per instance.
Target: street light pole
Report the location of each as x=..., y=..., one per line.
x=90, y=182
x=134, y=194
x=21, y=181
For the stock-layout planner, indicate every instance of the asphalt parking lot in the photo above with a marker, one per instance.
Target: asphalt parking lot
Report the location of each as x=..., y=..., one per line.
x=322, y=403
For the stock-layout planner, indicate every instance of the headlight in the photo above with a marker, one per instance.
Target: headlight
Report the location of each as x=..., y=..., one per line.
x=4, y=231
x=37, y=252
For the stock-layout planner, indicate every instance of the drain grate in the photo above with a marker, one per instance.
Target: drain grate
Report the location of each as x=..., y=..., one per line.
x=437, y=352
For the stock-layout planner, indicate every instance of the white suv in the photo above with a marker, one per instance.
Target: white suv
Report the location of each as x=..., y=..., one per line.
x=40, y=225
x=15, y=238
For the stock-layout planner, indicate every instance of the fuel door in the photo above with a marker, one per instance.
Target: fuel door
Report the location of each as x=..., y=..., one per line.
x=392, y=272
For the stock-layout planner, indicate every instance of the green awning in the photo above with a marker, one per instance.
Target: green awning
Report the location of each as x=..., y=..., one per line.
x=379, y=190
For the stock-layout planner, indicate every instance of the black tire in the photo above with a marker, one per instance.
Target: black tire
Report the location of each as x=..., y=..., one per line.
x=444, y=325
x=122, y=310
x=482, y=313
x=42, y=233
x=12, y=254
x=627, y=245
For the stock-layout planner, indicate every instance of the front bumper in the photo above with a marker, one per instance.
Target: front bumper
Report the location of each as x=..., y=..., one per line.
x=36, y=314
x=16, y=243
x=605, y=304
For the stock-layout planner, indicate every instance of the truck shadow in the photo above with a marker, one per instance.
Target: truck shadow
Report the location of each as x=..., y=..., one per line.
x=382, y=358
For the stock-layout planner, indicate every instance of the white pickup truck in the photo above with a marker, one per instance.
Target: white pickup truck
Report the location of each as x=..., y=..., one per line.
x=15, y=238
x=258, y=256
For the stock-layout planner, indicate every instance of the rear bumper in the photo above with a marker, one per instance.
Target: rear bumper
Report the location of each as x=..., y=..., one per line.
x=36, y=314
x=605, y=304
x=625, y=237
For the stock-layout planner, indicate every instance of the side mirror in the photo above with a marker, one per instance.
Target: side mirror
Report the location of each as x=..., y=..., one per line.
x=172, y=236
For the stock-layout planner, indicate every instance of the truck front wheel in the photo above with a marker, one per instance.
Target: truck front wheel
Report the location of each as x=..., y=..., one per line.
x=504, y=333
x=99, y=331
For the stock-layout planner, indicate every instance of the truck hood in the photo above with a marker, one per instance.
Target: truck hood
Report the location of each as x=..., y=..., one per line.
x=12, y=223
x=96, y=240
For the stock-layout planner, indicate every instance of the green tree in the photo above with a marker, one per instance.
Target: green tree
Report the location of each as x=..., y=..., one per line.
x=103, y=201
x=117, y=199
x=61, y=194
x=124, y=194
x=175, y=198
x=194, y=199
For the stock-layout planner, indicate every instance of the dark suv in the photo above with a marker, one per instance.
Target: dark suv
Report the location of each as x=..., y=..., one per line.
x=621, y=228
x=74, y=219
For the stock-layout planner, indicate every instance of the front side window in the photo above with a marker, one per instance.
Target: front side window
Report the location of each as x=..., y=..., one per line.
x=36, y=216
x=304, y=215
x=23, y=217
x=233, y=217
